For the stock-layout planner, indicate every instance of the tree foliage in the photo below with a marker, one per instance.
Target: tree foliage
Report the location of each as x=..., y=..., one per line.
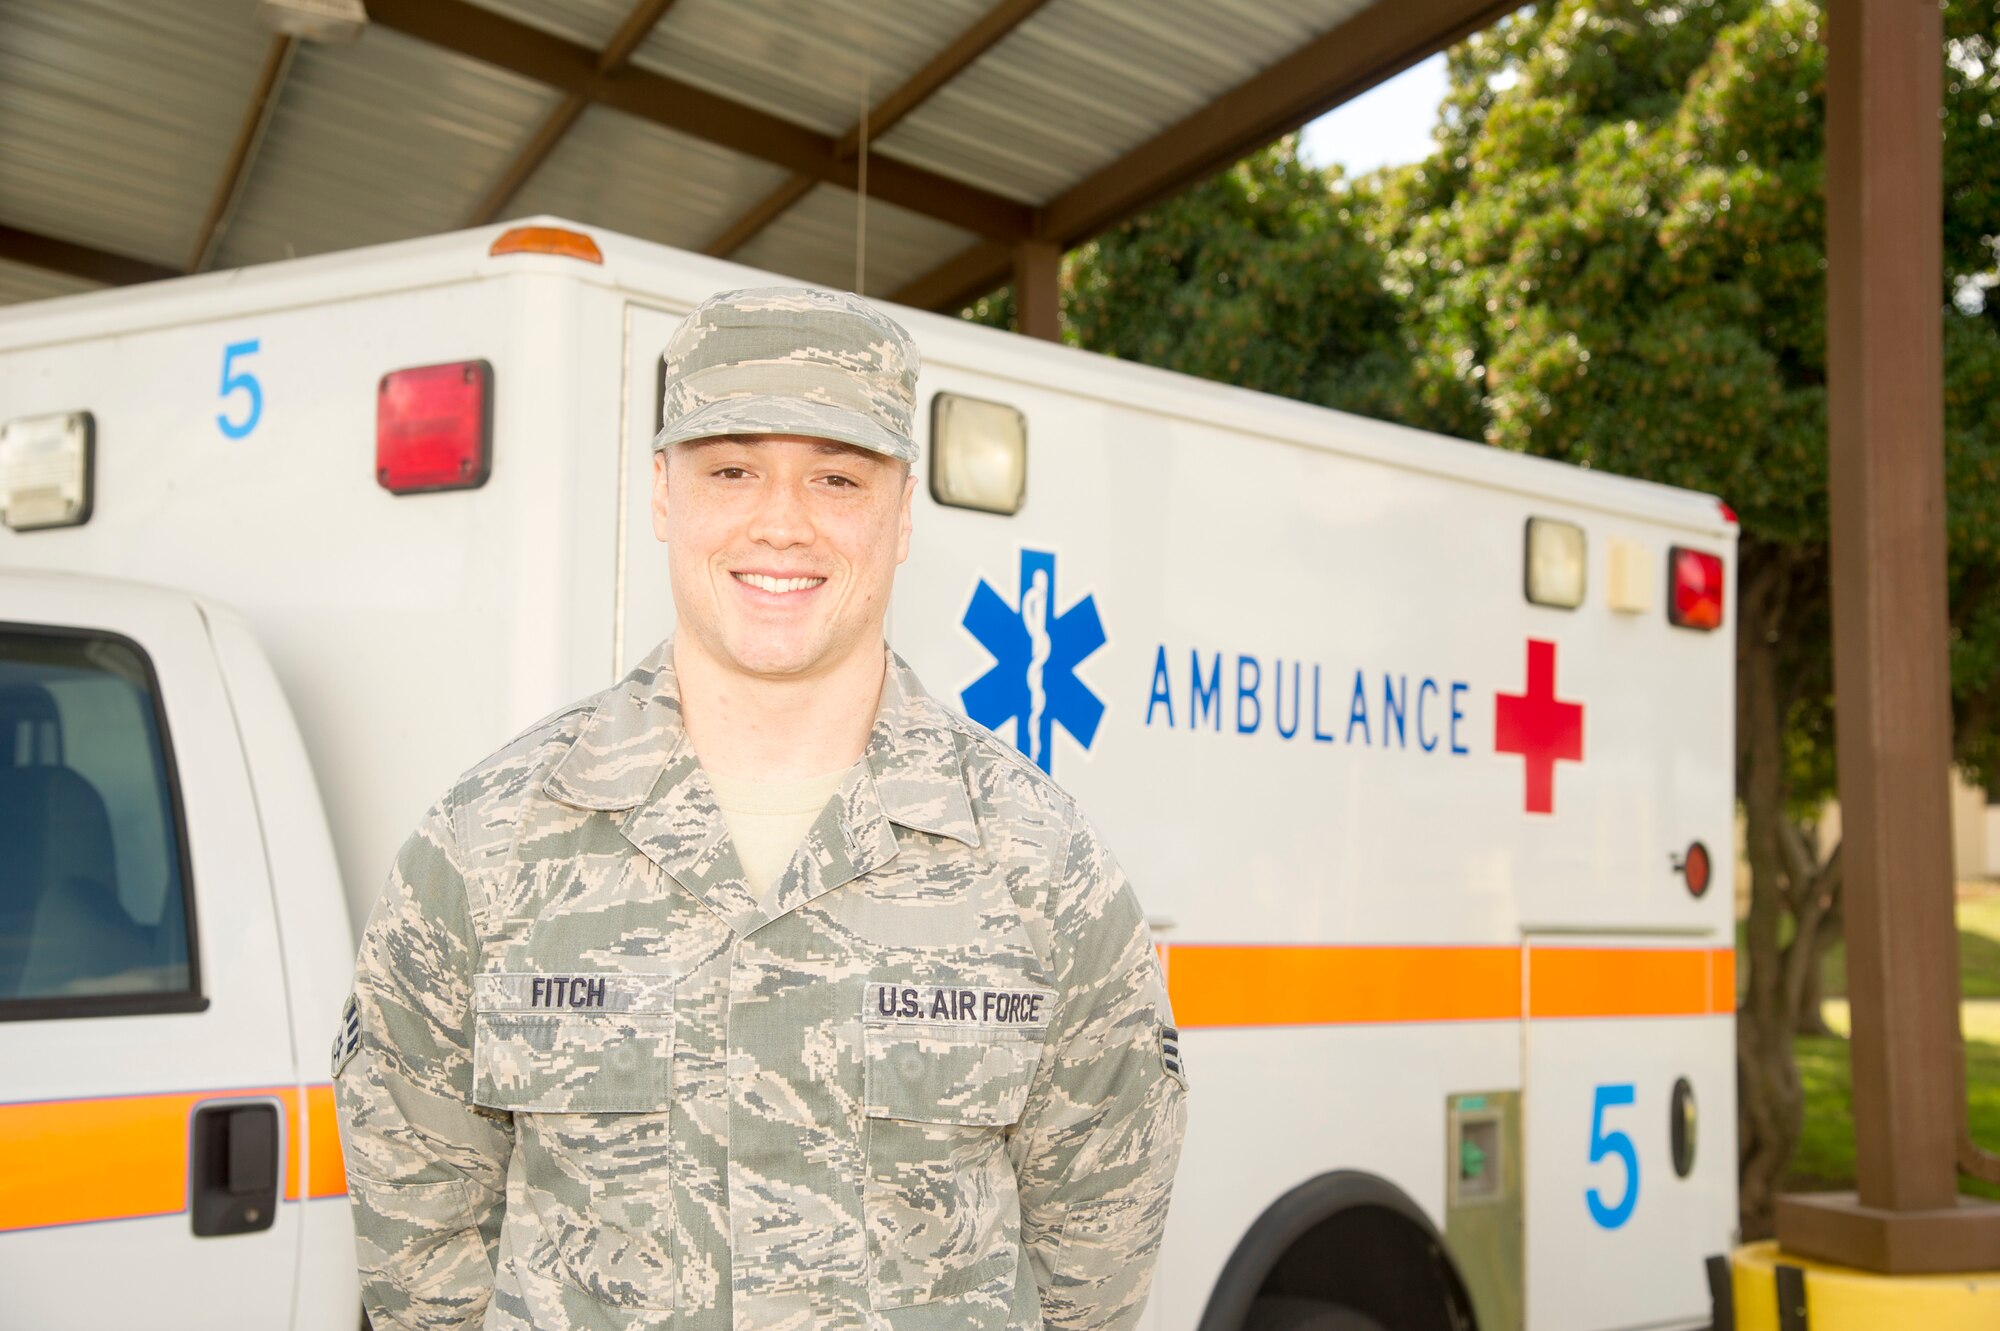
x=1616, y=257
x=1263, y=277
x=1620, y=263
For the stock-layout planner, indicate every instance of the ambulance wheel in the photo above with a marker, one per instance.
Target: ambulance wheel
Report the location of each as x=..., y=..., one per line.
x=1282, y=1312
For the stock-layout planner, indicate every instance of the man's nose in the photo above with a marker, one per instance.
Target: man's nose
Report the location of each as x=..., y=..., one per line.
x=782, y=518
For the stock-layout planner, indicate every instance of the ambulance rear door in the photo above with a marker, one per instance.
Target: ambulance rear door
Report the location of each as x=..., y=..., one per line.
x=150, y=1116
x=645, y=612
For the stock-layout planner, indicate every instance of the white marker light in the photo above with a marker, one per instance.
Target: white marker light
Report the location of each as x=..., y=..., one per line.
x=1630, y=589
x=45, y=470
x=979, y=454
x=1555, y=563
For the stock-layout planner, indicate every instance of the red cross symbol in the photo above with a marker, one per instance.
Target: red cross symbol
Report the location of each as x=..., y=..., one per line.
x=1540, y=729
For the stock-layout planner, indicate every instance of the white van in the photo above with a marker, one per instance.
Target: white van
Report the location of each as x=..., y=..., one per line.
x=1414, y=749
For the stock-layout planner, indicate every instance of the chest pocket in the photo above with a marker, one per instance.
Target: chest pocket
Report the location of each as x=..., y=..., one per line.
x=941, y=1092
x=585, y=1063
x=573, y=1044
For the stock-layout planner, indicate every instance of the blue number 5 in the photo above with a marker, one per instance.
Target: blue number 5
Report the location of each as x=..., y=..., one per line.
x=1604, y=1143
x=232, y=381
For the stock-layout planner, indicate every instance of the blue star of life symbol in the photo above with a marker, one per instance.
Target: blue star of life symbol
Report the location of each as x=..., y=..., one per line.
x=1035, y=653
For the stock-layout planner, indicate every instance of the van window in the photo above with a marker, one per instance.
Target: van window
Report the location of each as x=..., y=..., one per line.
x=94, y=907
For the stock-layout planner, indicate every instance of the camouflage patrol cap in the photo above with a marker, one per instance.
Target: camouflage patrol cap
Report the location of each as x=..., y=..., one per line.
x=791, y=360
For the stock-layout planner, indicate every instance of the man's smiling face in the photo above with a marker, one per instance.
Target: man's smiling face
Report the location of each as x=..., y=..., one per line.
x=782, y=549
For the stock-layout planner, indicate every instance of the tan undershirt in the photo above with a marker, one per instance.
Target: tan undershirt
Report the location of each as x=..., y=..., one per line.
x=768, y=819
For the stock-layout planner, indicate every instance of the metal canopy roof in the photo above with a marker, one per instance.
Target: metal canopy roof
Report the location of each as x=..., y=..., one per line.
x=140, y=140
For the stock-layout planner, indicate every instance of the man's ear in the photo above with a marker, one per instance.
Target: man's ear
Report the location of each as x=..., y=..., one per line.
x=660, y=493
x=903, y=520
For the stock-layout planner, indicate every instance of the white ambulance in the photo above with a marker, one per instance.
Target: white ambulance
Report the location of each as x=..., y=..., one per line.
x=1417, y=752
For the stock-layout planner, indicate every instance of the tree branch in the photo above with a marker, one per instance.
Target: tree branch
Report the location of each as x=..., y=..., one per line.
x=1799, y=861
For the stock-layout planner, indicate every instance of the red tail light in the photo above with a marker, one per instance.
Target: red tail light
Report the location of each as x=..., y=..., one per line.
x=1694, y=589
x=434, y=428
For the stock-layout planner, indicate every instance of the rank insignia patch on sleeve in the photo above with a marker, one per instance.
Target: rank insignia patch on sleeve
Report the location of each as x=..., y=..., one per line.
x=347, y=1040
x=1170, y=1054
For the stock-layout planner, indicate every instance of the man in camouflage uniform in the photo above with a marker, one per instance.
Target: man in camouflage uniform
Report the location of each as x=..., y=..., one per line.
x=593, y=1077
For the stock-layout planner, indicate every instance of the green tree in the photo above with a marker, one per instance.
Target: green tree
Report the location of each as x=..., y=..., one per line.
x=1262, y=276
x=1615, y=257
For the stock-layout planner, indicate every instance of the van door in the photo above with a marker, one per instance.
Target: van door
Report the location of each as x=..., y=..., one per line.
x=645, y=609
x=149, y=1093
x=1628, y=1039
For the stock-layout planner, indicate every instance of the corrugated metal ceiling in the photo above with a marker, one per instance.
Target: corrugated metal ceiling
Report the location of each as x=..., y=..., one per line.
x=618, y=171
x=19, y=282
x=808, y=63
x=117, y=119
x=1090, y=79
x=382, y=140
x=814, y=241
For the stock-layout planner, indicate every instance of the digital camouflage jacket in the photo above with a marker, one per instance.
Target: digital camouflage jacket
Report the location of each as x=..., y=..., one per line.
x=585, y=1082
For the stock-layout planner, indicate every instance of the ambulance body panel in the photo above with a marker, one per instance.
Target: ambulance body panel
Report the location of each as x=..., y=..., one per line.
x=370, y=607
x=1415, y=849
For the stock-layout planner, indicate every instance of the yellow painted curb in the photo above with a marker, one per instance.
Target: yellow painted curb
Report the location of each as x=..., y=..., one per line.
x=1841, y=1299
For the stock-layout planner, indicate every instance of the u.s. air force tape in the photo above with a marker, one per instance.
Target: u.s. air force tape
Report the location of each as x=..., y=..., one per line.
x=550, y=991
x=969, y=1005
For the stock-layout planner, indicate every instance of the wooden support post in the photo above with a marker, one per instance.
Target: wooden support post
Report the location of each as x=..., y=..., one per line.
x=1885, y=411
x=1038, y=289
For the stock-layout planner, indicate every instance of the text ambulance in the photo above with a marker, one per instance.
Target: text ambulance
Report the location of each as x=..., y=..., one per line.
x=1415, y=750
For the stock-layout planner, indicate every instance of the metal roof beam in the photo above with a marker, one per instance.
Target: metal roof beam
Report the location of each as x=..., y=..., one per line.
x=568, y=111
x=1376, y=44
x=66, y=256
x=974, y=42
x=633, y=31
x=961, y=279
x=243, y=153
x=531, y=53
x=760, y=215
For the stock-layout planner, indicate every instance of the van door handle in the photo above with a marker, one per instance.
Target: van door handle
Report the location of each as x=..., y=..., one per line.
x=233, y=1172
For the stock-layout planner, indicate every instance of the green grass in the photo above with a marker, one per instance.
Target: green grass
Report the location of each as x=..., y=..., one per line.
x=1824, y=1160
x=1981, y=914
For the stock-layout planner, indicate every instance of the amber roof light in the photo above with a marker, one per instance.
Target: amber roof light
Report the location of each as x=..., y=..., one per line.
x=547, y=240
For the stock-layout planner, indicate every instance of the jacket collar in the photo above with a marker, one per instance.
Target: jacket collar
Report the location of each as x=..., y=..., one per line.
x=633, y=756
